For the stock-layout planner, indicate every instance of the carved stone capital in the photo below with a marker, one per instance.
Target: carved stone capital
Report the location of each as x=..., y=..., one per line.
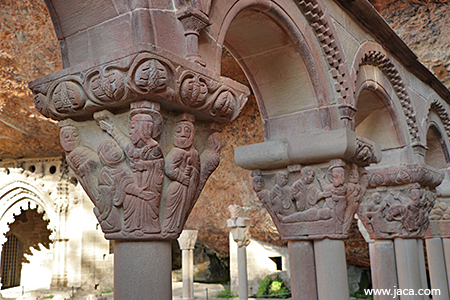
x=142, y=173
x=239, y=224
x=439, y=219
x=397, y=211
x=312, y=202
x=187, y=239
x=143, y=72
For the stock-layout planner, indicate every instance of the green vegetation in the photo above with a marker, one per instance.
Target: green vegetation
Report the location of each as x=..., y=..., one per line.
x=273, y=288
x=226, y=294
x=49, y=297
x=107, y=292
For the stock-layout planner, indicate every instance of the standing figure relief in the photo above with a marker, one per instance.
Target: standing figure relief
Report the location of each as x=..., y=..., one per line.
x=138, y=192
x=140, y=208
x=183, y=168
x=82, y=160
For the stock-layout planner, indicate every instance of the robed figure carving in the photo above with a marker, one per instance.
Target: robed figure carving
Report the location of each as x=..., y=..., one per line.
x=183, y=168
x=140, y=210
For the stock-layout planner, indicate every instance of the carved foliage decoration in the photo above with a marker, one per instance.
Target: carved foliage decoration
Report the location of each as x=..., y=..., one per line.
x=420, y=173
x=314, y=203
x=439, y=219
x=115, y=84
x=124, y=176
x=442, y=113
x=401, y=211
x=381, y=61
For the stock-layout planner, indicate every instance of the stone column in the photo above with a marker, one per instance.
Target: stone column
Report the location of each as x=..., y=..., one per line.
x=59, y=276
x=187, y=241
x=239, y=224
x=436, y=239
x=437, y=267
x=128, y=127
x=312, y=205
x=395, y=213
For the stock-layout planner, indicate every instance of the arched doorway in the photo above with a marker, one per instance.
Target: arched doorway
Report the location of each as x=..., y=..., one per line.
x=27, y=233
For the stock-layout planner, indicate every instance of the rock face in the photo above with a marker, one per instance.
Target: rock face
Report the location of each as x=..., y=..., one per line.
x=29, y=50
x=422, y=25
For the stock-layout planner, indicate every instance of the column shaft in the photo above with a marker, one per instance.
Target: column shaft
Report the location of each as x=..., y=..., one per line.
x=437, y=267
x=408, y=267
x=331, y=269
x=302, y=270
x=242, y=273
x=143, y=270
x=188, y=273
x=384, y=268
x=373, y=271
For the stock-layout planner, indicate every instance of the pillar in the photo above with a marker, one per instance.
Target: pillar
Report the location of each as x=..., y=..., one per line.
x=446, y=245
x=331, y=269
x=128, y=128
x=384, y=270
x=143, y=270
x=395, y=213
x=239, y=224
x=437, y=267
x=301, y=262
x=187, y=241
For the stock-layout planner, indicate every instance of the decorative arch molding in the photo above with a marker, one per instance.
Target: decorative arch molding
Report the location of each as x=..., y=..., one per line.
x=372, y=54
x=322, y=25
x=436, y=105
x=17, y=195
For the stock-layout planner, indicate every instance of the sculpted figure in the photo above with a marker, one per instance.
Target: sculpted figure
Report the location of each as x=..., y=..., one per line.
x=82, y=160
x=337, y=200
x=281, y=196
x=183, y=168
x=112, y=180
x=411, y=216
x=141, y=214
x=306, y=194
x=355, y=194
x=263, y=193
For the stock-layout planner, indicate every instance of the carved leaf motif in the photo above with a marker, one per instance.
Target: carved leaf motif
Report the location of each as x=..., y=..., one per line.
x=193, y=91
x=110, y=88
x=224, y=105
x=68, y=96
x=151, y=76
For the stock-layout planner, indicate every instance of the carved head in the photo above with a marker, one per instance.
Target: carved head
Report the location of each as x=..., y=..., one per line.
x=307, y=175
x=376, y=198
x=337, y=172
x=141, y=129
x=282, y=178
x=69, y=138
x=110, y=153
x=258, y=183
x=414, y=192
x=353, y=175
x=184, y=132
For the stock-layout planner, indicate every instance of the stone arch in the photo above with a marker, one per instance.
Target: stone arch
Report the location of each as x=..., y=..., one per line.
x=299, y=81
x=371, y=54
x=437, y=134
x=19, y=194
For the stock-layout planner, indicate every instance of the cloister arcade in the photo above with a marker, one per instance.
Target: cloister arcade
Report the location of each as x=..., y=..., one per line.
x=353, y=124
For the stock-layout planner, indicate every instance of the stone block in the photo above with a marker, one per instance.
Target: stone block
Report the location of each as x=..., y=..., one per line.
x=110, y=36
x=78, y=48
x=81, y=15
x=169, y=31
x=142, y=28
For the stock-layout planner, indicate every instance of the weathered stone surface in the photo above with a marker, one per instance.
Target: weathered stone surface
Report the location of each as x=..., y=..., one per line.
x=28, y=50
x=421, y=24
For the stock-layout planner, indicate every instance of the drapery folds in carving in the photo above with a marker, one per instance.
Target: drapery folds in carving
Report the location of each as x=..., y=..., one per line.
x=312, y=202
x=125, y=176
x=399, y=201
